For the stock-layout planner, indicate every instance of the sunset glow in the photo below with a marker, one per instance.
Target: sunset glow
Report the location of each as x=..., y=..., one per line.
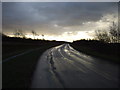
x=58, y=21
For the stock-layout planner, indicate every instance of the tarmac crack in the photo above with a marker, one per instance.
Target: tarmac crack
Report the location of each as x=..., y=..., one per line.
x=50, y=58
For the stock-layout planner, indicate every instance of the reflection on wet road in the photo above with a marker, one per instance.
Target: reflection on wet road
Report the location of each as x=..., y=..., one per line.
x=64, y=67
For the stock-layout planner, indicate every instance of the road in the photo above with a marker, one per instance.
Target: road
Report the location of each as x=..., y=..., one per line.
x=64, y=67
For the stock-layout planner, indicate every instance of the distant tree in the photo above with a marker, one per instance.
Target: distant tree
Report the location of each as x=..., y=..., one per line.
x=19, y=33
x=42, y=36
x=34, y=34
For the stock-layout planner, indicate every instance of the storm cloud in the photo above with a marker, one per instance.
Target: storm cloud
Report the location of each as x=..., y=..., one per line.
x=55, y=18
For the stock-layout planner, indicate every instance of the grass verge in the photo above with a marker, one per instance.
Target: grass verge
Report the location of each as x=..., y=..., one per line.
x=112, y=56
x=17, y=73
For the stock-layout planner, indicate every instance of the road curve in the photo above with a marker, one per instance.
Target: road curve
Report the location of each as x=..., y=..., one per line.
x=64, y=67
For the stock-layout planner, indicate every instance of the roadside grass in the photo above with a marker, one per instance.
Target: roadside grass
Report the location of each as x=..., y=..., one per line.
x=112, y=56
x=18, y=72
x=14, y=49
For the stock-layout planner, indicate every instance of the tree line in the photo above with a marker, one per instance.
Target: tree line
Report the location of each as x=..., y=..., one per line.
x=20, y=33
x=112, y=35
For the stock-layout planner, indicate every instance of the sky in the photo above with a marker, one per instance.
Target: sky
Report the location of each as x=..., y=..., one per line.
x=62, y=21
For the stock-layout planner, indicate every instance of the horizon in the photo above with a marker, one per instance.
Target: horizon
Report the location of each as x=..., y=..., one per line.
x=52, y=39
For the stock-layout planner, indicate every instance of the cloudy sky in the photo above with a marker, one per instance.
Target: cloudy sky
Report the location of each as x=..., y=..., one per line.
x=66, y=21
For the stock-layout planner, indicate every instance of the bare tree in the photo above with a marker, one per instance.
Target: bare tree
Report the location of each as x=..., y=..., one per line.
x=115, y=33
x=102, y=36
x=34, y=34
x=112, y=36
x=42, y=36
x=19, y=33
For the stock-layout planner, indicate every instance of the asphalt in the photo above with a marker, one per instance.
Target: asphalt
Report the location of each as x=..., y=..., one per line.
x=65, y=67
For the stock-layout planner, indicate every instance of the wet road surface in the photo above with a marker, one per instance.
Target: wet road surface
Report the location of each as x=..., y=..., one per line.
x=64, y=67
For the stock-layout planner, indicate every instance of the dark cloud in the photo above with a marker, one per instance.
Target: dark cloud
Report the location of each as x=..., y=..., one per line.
x=43, y=17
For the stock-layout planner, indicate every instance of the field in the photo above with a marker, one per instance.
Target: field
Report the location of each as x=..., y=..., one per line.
x=18, y=72
x=105, y=51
